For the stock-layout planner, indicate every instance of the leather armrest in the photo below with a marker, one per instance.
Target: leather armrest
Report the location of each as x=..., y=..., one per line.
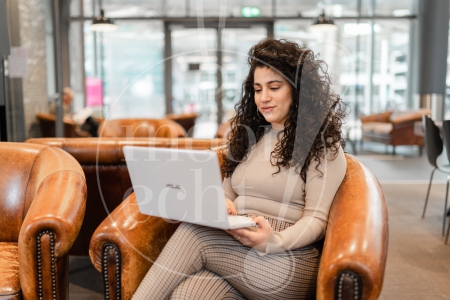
x=381, y=117
x=407, y=119
x=171, y=129
x=409, y=116
x=139, y=239
x=56, y=215
x=356, y=239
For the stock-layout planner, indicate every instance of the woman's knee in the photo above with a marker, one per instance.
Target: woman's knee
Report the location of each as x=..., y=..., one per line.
x=203, y=285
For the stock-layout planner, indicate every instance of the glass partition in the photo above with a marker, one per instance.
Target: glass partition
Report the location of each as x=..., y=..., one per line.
x=368, y=60
x=194, y=75
x=229, y=8
x=397, y=8
x=129, y=61
x=236, y=44
x=128, y=8
x=390, y=65
x=369, y=71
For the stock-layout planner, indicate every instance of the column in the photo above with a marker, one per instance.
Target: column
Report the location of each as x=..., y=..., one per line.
x=433, y=21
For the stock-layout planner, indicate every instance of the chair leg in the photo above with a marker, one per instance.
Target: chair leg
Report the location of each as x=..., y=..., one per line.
x=445, y=206
x=428, y=193
x=448, y=231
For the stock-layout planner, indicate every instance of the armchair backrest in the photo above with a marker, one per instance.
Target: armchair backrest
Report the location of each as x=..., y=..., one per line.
x=380, y=117
x=47, y=125
x=408, y=115
x=107, y=178
x=131, y=128
x=185, y=120
x=24, y=168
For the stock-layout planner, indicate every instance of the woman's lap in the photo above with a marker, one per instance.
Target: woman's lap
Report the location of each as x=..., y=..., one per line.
x=193, y=248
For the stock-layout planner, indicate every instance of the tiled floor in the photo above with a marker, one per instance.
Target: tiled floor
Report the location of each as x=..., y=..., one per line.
x=85, y=283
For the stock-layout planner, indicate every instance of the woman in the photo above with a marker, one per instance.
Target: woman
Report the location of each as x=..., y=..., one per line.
x=283, y=166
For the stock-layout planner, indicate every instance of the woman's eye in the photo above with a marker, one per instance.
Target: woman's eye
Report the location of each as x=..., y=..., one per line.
x=257, y=91
x=274, y=88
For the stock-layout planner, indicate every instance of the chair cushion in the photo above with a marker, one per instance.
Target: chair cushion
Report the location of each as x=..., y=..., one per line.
x=378, y=127
x=368, y=126
x=9, y=270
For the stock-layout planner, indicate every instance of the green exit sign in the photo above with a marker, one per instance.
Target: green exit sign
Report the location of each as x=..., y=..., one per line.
x=250, y=12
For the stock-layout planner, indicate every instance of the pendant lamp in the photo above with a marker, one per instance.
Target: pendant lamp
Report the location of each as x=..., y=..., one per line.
x=103, y=24
x=322, y=22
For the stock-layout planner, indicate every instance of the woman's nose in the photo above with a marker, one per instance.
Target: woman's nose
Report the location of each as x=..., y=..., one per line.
x=265, y=96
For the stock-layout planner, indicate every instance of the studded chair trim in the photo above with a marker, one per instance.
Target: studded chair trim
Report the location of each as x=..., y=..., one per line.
x=39, y=263
x=110, y=249
x=356, y=280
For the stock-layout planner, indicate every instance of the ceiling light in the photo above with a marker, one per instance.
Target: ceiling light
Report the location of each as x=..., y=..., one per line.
x=323, y=23
x=103, y=24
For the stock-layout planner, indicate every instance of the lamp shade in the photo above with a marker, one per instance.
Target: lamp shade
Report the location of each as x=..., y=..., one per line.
x=103, y=24
x=322, y=22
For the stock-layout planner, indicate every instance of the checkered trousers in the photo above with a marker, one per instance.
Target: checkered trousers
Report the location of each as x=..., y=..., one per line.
x=205, y=263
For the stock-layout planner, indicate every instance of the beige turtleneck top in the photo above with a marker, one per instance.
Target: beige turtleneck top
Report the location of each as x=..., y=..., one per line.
x=255, y=188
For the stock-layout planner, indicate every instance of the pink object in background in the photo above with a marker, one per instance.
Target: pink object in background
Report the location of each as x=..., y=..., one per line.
x=94, y=92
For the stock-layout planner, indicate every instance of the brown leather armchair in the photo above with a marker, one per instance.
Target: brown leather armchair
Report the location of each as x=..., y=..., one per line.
x=353, y=259
x=131, y=128
x=47, y=125
x=394, y=128
x=185, y=120
x=108, y=182
x=42, y=203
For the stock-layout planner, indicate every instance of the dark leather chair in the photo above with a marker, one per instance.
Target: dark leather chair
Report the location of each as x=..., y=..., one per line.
x=446, y=131
x=353, y=260
x=42, y=204
x=107, y=178
x=132, y=128
x=47, y=125
x=185, y=120
x=434, y=146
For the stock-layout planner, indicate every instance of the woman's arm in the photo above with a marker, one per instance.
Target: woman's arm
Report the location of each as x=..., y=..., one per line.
x=228, y=189
x=230, y=195
x=320, y=190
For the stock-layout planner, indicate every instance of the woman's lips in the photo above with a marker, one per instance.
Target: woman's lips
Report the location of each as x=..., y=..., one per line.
x=267, y=108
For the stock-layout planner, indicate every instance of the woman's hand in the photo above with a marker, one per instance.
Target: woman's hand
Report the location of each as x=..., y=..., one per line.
x=231, y=208
x=251, y=238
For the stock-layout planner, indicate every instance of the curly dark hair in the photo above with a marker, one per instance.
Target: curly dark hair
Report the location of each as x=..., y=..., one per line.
x=315, y=114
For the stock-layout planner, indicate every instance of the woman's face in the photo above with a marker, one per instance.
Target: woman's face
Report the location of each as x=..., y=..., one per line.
x=273, y=96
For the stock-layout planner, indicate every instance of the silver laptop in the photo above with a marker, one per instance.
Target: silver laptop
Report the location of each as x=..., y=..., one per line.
x=180, y=184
